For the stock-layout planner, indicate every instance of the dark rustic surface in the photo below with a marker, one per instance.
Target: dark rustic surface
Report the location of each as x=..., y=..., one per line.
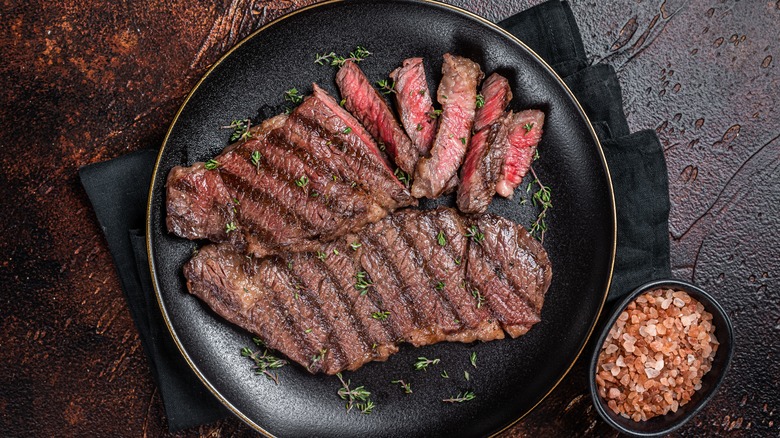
x=83, y=82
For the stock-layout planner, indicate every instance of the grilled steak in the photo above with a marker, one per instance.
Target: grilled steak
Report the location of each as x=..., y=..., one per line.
x=362, y=100
x=485, y=155
x=415, y=276
x=523, y=139
x=457, y=95
x=310, y=177
x=413, y=101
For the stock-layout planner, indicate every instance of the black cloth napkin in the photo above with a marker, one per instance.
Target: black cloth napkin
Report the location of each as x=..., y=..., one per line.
x=118, y=191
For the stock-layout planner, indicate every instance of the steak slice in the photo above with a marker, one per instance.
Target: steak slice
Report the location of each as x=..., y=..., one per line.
x=413, y=101
x=365, y=103
x=523, y=139
x=482, y=167
x=496, y=94
x=457, y=95
x=487, y=149
x=510, y=270
x=416, y=276
x=300, y=179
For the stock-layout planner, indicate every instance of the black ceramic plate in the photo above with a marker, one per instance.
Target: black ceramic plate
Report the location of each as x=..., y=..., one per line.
x=512, y=376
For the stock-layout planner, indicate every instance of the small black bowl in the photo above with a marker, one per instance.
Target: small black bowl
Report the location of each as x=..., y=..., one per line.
x=662, y=425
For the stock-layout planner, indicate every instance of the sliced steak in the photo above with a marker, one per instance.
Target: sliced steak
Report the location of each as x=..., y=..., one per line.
x=365, y=103
x=438, y=238
x=299, y=180
x=510, y=270
x=496, y=94
x=457, y=95
x=416, y=276
x=413, y=101
x=523, y=139
x=485, y=156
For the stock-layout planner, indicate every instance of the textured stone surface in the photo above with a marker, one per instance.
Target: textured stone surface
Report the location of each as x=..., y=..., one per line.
x=83, y=82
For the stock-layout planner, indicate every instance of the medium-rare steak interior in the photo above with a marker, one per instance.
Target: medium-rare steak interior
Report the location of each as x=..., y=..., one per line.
x=457, y=95
x=413, y=100
x=416, y=276
x=362, y=100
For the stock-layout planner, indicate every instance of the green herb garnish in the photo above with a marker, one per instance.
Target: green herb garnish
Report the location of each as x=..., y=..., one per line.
x=423, y=363
x=211, y=164
x=357, y=397
x=461, y=397
x=475, y=234
x=407, y=387
x=441, y=239
x=264, y=361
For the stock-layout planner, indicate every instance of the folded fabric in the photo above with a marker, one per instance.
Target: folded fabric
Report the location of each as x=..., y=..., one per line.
x=118, y=191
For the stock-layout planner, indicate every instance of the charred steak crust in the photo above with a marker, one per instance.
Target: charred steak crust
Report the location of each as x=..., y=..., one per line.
x=416, y=276
x=299, y=180
x=368, y=106
x=457, y=95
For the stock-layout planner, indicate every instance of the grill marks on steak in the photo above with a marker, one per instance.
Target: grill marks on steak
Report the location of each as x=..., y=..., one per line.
x=320, y=176
x=524, y=137
x=308, y=305
x=457, y=95
x=511, y=271
x=414, y=104
x=365, y=103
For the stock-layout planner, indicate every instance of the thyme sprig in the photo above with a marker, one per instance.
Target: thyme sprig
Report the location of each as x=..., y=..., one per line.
x=318, y=357
x=461, y=397
x=240, y=129
x=362, y=282
x=264, y=361
x=423, y=363
x=355, y=397
x=407, y=387
x=360, y=53
x=386, y=86
x=475, y=234
x=381, y=316
x=541, y=198
x=473, y=359
x=404, y=177
x=292, y=95
x=211, y=164
x=478, y=296
x=480, y=101
x=441, y=238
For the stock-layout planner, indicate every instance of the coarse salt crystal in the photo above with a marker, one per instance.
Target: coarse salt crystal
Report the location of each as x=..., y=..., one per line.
x=678, y=302
x=652, y=373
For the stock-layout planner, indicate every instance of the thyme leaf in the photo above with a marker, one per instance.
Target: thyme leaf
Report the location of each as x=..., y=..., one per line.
x=475, y=234
x=441, y=239
x=355, y=397
x=461, y=397
x=264, y=361
x=211, y=164
x=407, y=387
x=480, y=101
x=423, y=363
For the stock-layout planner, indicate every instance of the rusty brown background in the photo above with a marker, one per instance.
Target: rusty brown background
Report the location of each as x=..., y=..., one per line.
x=85, y=81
